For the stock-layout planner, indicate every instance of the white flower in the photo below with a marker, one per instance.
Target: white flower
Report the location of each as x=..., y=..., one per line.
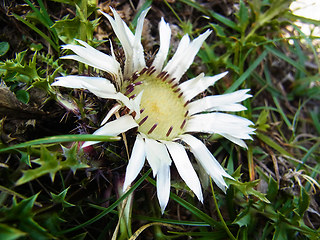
x=161, y=108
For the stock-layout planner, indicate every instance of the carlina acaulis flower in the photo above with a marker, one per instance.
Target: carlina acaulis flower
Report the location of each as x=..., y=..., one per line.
x=160, y=107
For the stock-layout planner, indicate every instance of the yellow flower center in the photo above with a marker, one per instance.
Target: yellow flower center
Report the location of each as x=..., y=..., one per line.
x=163, y=108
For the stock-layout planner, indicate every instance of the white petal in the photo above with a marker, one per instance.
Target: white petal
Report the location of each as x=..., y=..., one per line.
x=124, y=35
x=110, y=113
x=163, y=186
x=119, y=79
x=94, y=58
x=207, y=160
x=138, y=55
x=184, y=56
x=236, y=107
x=136, y=162
x=131, y=43
x=165, y=35
x=235, y=140
x=185, y=168
x=114, y=128
x=182, y=48
x=121, y=30
x=193, y=87
x=136, y=105
x=129, y=103
x=225, y=102
x=101, y=87
x=220, y=123
x=157, y=154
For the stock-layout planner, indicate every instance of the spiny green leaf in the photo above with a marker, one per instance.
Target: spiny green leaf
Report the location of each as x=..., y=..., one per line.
x=25, y=158
x=21, y=214
x=19, y=66
x=60, y=198
x=243, y=16
x=261, y=123
x=50, y=164
x=273, y=189
x=10, y=233
x=22, y=210
x=72, y=159
x=281, y=232
x=218, y=29
x=275, y=9
x=68, y=30
x=23, y=96
x=244, y=218
x=51, y=221
x=4, y=48
x=247, y=188
x=304, y=201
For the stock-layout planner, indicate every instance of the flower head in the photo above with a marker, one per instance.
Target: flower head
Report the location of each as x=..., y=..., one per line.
x=161, y=107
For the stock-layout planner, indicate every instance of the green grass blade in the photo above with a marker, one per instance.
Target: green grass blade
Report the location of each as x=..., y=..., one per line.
x=144, y=6
x=45, y=13
x=247, y=73
x=315, y=119
x=44, y=18
x=160, y=220
x=37, y=30
x=283, y=115
x=310, y=44
x=225, y=21
x=272, y=144
x=60, y=139
x=172, y=221
x=307, y=155
x=197, y=212
x=220, y=18
x=285, y=58
x=39, y=15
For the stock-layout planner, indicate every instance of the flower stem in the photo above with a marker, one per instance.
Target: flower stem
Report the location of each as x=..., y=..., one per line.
x=220, y=215
x=82, y=13
x=176, y=15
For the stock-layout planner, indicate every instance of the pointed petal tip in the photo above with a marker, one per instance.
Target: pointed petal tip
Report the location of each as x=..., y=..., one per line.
x=221, y=75
x=163, y=206
x=200, y=197
x=86, y=144
x=125, y=186
x=162, y=209
x=208, y=32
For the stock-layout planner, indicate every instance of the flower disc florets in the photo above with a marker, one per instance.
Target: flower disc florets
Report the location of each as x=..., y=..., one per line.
x=163, y=113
